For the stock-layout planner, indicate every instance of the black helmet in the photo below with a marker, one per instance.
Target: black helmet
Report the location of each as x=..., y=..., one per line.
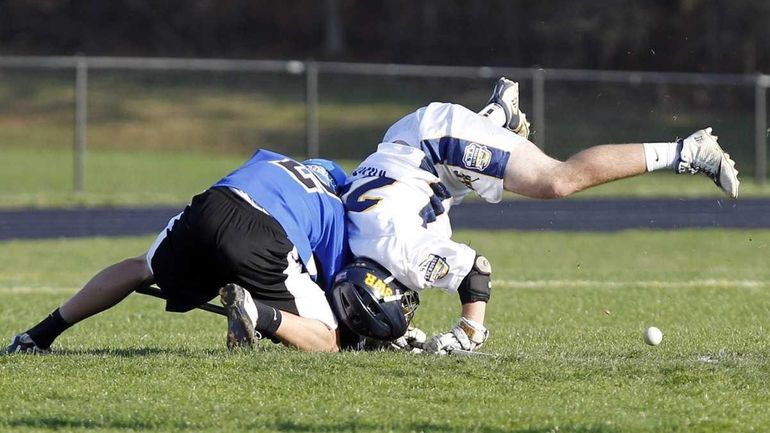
x=369, y=301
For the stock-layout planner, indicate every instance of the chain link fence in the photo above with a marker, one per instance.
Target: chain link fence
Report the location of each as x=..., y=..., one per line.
x=341, y=110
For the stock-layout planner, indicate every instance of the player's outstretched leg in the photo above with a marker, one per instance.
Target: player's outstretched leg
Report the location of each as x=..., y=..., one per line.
x=241, y=316
x=701, y=153
x=22, y=343
x=503, y=107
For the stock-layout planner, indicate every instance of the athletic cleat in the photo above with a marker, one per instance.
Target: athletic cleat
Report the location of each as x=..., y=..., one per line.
x=701, y=153
x=241, y=317
x=506, y=95
x=22, y=343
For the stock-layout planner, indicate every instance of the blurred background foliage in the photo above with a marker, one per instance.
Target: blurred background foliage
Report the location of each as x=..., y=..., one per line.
x=662, y=35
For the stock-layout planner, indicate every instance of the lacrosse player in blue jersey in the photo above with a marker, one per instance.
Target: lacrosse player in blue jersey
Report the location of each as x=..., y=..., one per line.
x=398, y=199
x=268, y=238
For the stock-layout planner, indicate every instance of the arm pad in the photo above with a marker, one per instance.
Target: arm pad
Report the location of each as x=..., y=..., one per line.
x=477, y=285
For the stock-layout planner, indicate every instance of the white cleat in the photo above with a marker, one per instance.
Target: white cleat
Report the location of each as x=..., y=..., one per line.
x=241, y=317
x=506, y=95
x=701, y=153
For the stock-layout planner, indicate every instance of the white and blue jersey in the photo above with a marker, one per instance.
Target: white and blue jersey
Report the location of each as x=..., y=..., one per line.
x=398, y=198
x=312, y=216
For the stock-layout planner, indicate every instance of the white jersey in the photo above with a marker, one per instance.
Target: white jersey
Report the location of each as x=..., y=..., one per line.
x=398, y=199
x=465, y=150
x=396, y=215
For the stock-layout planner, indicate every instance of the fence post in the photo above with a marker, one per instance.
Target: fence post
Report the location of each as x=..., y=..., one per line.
x=538, y=102
x=81, y=113
x=311, y=109
x=760, y=128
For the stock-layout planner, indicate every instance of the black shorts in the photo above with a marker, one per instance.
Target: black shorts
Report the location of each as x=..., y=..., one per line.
x=220, y=238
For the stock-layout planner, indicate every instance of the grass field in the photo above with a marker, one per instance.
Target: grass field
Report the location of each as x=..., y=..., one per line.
x=566, y=319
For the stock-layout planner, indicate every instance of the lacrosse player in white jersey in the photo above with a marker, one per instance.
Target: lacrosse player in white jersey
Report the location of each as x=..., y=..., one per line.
x=398, y=199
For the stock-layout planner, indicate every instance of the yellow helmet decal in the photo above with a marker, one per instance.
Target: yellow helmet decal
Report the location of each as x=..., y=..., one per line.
x=378, y=286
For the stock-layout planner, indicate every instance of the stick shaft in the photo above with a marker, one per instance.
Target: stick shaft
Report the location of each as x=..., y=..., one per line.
x=157, y=293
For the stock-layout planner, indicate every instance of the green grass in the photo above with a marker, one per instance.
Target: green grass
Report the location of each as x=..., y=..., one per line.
x=43, y=177
x=566, y=318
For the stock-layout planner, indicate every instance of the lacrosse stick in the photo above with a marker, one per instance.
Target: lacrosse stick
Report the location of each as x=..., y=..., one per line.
x=454, y=352
x=157, y=293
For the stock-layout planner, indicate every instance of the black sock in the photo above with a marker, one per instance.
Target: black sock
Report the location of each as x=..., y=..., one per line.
x=268, y=319
x=45, y=332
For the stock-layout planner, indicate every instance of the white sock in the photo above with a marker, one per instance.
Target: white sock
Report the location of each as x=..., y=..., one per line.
x=660, y=156
x=495, y=113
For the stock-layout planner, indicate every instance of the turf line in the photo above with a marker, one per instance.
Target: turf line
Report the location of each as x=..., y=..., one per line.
x=515, y=284
x=650, y=284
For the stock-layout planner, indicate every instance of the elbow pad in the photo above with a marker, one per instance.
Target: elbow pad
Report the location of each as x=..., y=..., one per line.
x=477, y=285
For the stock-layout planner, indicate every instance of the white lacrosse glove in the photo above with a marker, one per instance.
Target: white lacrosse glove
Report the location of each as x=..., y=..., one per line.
x=506, y=95
x=466, y=335
x=522, y=129
x=412, y=341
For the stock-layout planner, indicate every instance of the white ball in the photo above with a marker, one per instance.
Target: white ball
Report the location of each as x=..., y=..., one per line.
x=653, y=336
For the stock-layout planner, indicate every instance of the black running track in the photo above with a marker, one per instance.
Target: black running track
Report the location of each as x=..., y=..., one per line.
x=563, y=215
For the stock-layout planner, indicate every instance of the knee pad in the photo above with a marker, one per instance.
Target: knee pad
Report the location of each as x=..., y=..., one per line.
x=477, y=285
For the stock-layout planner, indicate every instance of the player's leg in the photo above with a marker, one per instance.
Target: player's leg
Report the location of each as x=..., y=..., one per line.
x=310, y=325
x=272, y=293
x=106, y=289
x=306, y=322
x=103, y=291
x=307, y=334
x=534, y=174
x=223, y=244
x=245, y=316
x=531, y=173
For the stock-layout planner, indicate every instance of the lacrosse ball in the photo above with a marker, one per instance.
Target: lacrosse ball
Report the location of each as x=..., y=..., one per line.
x=653, y=336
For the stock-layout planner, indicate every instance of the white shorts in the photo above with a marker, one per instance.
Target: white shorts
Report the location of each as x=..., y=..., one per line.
x=467, y=151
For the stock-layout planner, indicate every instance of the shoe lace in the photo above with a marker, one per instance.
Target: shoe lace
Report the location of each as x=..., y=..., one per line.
x=695, y=169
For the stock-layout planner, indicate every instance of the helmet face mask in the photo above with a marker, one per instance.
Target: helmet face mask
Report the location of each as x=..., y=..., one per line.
x=369, y=301
x=409, y=302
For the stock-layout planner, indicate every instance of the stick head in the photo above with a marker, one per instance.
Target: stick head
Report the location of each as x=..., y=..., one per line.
x=463, y=352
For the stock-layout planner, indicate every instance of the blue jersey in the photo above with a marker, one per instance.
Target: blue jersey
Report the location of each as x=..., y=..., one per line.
x=313, y=218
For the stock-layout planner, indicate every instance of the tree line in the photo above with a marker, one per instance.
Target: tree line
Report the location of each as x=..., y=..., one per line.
x=664, y=35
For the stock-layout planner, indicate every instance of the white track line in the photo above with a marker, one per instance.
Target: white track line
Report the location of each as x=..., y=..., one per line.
x=26, y=290
x=650, y=284
x=514, y=284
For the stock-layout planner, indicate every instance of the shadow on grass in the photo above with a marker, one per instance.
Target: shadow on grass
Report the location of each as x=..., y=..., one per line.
x=136, y=352
x=69, y=424
x=358, y=426
x=54, y=423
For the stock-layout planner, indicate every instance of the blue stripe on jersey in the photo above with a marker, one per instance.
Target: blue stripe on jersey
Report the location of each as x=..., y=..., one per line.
x=356, y=203
x=465, y=154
